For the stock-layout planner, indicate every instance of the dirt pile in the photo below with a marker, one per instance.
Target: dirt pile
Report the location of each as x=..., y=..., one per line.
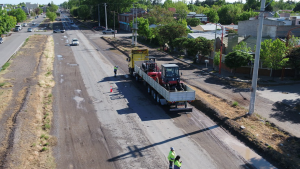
x=26, y=117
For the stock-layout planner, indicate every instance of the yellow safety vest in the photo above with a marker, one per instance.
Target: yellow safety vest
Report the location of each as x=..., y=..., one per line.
x=171, y=155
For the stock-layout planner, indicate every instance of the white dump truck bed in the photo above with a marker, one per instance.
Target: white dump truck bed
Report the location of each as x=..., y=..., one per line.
x=170, y=96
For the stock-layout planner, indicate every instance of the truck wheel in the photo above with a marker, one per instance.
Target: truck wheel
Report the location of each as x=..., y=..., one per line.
x=154, y=95
x=149, y=89
x=185, y=104
x=137, y=78
x=168, y=87
x=158, y=98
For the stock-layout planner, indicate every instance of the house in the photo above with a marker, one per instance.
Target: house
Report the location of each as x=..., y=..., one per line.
x=201, y=17
x=209, y=27
x=125, y=18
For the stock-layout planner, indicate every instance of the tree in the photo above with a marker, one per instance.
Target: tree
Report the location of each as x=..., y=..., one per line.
x=193, y=21
x=51, y=15
x=53, y=7
x=6, y=22
x=252, y=4
x=212, y=15
x=297, y=7
x=245, y=15
x=172, y=31
x=38, y=10
x=84, y=12
x=242, y=47
x=273, y=54
x=160, y=15
x=294, y=59
x=19, y=14
x=217, y=58
x=237, y=59
x=143, y=28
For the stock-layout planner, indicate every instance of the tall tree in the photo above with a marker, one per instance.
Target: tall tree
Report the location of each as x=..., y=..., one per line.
x=19, y=14
x=172, y=31
x=84, y=12
x=237, y=59
x=273, y=54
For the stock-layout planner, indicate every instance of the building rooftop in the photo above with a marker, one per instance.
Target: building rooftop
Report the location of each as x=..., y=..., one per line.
x=207, y=35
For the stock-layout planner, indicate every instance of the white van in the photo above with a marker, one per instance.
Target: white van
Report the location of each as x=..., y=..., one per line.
x=19, y=27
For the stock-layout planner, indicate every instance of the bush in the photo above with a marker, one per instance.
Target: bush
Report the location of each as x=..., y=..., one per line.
x=217, y=58
x=235, y=103
x=193, y=21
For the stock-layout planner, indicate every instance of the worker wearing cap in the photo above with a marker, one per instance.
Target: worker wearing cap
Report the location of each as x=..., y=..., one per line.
x=115, y=70
x=171, y=157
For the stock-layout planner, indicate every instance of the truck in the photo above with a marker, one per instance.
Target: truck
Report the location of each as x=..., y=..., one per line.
x=19, y=27
x=162, y=83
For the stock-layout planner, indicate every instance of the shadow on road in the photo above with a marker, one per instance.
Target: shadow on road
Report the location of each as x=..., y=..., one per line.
x=140, y=150
x=287, y=110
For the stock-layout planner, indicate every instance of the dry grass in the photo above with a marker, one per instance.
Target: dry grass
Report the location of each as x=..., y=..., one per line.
x=267, y=134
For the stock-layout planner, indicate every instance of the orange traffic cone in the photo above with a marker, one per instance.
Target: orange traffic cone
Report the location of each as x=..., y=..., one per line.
x=110, y=88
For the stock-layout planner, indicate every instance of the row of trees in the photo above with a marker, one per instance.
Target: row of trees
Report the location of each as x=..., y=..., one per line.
x=220, y=11
x=274, y=55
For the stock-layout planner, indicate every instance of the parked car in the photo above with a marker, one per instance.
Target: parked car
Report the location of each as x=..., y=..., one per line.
x=75, y=42
x=24, y=24
x=29, y=30
x=108, y=31
x=1, y=40
x=19, y=27
x=56, y=30
x=33, y=23
x=44, y=16
x=16, y=29
x=62, y=31
x=97, y=28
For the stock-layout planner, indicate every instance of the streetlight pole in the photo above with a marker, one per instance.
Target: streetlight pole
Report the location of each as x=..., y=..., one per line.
x=220, y=64
x=105, y=17
x=98, y=15
x=114, y=25
x=257, y=55
x=132, y=42
x=136, y=23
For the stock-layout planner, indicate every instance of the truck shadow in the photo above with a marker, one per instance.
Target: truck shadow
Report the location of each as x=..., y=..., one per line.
x=140, y=102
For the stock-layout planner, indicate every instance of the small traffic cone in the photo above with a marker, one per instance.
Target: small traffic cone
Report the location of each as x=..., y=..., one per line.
x=110, y=88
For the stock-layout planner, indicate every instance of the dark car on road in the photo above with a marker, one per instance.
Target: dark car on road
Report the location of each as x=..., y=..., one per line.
x=16, y=29
x=56, y=30
x=29, y=30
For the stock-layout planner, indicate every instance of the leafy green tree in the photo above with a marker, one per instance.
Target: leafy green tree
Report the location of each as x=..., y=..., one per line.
x=294, y=59
x=53, y=7
x=6, y=22
x=242, y=47
x=252, y=4
x=245, y=15
x=51, y=15
x=199, y=45
x=273, y=54
x=192, y=7
x=217, y=58
x=84, y=12
x=159, y=15
x=143, y=28
x=212, y=15
x=237, y=59
x=171, y=31
x=193, y=21
x=228, y=13
x=74, y=11
x=19, y=14
x=297, y=7
x=38, y=10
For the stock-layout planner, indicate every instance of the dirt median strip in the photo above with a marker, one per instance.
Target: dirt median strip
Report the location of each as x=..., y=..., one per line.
x=28, y=143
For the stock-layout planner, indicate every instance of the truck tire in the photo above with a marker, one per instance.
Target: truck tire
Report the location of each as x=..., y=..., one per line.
x=158, y=98
x=149, y=89
x=154, y=95
x=136, y=77
x=185, y=104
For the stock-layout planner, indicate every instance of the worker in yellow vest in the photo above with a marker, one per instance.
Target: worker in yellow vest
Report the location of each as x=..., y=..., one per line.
x=177, y=163
x=171, y=157
x=115, y=70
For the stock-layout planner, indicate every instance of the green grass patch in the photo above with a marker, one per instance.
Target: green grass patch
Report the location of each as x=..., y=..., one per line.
x=42, y=136
x=50, y=95
x=44, y=149
x=2, y=84
x=5, y=66
x=48, y=73
x=27, y=39
x=47, y=126
x=235, y=103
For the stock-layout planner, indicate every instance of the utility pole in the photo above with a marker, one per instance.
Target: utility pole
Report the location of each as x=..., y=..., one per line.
x=257, y=55
x=136, y=27
x=215, y=44
x=98, y=15
x=132, y=42
x=105, y=17
x=114, y=25
x=221, y=53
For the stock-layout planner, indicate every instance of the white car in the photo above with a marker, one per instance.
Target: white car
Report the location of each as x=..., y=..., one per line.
x=108, y=31
x=75, y=42
x=33, y=23
x=44, y=16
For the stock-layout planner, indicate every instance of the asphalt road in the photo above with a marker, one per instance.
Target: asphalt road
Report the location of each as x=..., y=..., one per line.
x=13, y=43
x=137, y=133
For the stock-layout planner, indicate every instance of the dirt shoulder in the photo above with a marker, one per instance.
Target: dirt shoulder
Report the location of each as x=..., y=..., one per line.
x=27, y=108
x=274, y=144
